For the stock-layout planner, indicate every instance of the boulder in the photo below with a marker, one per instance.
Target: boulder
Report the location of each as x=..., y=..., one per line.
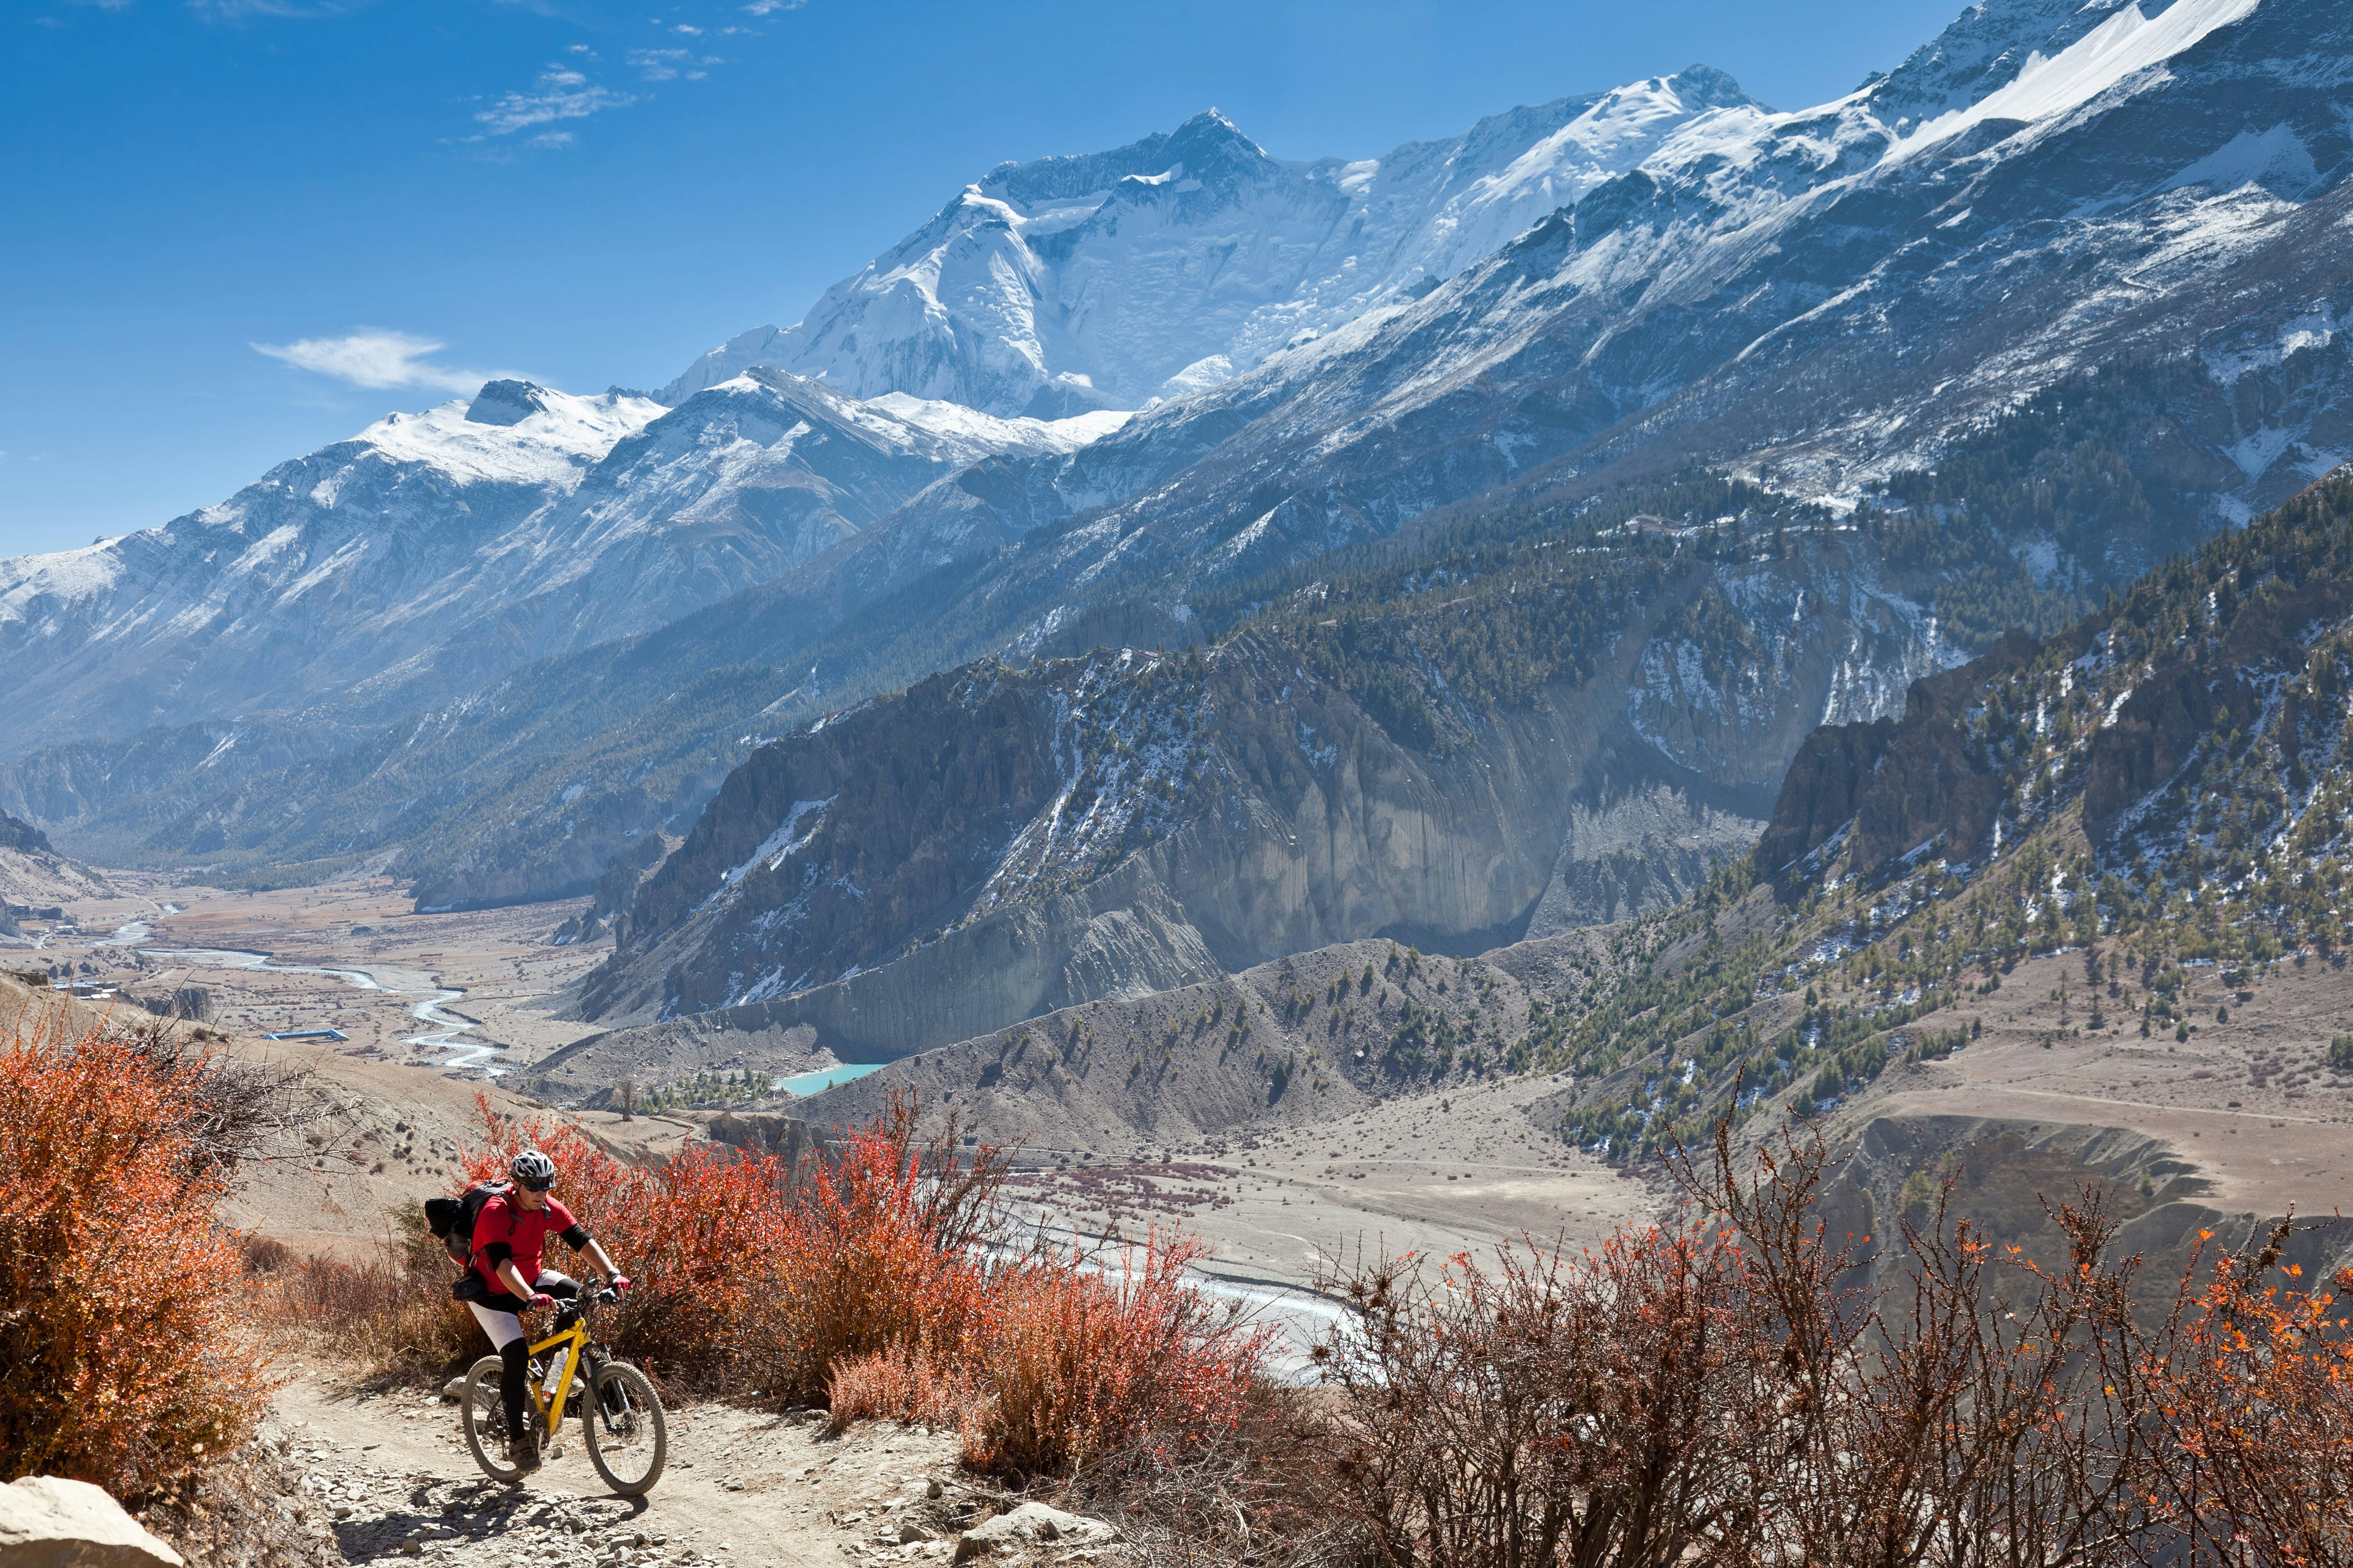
x=1033, y=1523
x=49, y=1522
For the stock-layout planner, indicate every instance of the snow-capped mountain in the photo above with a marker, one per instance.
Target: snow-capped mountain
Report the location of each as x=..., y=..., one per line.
x=1171, y=264
x=1815, y=297
x=433, y=551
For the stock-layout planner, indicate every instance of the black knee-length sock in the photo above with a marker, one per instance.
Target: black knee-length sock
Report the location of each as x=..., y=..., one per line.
x=515, y=1372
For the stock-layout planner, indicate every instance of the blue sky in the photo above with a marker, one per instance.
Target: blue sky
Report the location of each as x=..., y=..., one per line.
x=592, y=192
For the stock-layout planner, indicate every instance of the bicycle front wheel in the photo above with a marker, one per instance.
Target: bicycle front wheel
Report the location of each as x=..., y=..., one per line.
x=484, y=1417
x=627, y=1440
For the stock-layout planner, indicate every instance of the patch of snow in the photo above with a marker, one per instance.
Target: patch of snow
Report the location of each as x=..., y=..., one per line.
x=2125, y=44
x=550, y=445
x=2256, y=453
x=63, y=577
x=2315, y=329
x=985, y=434
x=781, y=845
x=2252, y=157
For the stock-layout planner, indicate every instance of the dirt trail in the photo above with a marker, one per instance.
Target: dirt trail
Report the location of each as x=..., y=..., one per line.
x=742, y=1489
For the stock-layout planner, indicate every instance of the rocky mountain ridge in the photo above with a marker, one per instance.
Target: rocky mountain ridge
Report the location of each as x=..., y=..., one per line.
x=1001, y=840
x=433, y=551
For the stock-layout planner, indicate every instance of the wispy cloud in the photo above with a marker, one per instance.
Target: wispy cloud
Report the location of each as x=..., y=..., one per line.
x=669, y=65
x=770, y=8
x=373, y=357
x=238, y=10
x=560, y=93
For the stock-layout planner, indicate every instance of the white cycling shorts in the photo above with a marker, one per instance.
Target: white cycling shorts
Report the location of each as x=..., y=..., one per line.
x=506, y=1327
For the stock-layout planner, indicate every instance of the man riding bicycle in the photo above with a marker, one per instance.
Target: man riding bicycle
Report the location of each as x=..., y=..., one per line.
x=510, y=1237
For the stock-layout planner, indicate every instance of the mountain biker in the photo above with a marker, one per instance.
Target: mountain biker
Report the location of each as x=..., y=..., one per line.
x=509, y=1234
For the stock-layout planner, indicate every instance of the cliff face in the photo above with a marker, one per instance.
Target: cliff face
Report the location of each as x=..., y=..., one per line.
x=1883, y=788
x=2190, y=729
x=1001, y=842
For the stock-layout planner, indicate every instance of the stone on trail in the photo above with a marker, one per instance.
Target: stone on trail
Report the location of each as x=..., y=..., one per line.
x=46, y=1521
x=1033, y=1522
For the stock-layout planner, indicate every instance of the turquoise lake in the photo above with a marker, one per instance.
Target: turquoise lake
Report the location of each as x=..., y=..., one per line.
x=810, y=1082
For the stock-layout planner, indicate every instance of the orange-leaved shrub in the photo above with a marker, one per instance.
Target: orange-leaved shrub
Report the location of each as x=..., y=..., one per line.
x=2251, y=1385
x=126, y=1355
x=906, y=1383
x=1087, y=1359
x=885, y=1246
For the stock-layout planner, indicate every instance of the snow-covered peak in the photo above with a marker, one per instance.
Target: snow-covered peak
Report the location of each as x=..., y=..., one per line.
x=767, y=404
x=62, y=576
x=985, y=434
x=1108, y=281
x=1207, y=147
x=554, y=437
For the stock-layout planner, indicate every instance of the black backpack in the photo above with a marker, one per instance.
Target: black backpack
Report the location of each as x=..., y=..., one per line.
x=451, y=1220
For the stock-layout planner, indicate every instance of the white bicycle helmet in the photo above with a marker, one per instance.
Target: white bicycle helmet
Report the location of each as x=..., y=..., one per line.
x=534, y=1170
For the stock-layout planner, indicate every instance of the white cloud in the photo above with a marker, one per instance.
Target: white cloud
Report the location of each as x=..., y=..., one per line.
x=560, y=93
x=669, y=65
x=657, y=65
x=770, y=8
x=299, y=10
x=372, y=357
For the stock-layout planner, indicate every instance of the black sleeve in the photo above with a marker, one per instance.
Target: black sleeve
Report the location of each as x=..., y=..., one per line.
x=576, y=1237
x=499, y=1252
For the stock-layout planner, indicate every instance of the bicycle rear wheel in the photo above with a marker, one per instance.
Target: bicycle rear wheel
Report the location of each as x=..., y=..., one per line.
x=628, y=1441
x=483, y=1415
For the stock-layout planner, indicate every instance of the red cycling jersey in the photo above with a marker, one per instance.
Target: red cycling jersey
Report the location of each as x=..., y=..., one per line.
x=524, y=1232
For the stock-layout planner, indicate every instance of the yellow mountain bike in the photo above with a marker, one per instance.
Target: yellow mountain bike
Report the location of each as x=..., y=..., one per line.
x=620, y=1415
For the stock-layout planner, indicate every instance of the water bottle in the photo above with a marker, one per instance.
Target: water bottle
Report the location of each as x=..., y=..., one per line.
x=554, y=1376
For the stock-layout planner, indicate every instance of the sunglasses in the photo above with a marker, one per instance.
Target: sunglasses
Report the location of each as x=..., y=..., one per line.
x=530, y=1185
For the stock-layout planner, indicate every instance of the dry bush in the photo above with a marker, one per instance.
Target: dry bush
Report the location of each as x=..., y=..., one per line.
x=392, y=1314
x=1260, y=1493
x=265, y=1254
x=904, y=1383
x=1578, y=1408
x=126, y=1355
x=1729, y=1393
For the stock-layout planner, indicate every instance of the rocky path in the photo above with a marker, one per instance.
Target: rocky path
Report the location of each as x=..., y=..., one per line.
x=388, y=1478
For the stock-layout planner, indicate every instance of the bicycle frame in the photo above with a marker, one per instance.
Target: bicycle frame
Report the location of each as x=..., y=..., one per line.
x=575, y=1341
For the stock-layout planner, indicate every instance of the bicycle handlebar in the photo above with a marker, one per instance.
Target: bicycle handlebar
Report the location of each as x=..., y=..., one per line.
x=602, y=1295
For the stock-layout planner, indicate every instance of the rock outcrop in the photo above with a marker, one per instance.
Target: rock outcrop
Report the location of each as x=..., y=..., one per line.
x=46, y=1521
x=33, y=877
